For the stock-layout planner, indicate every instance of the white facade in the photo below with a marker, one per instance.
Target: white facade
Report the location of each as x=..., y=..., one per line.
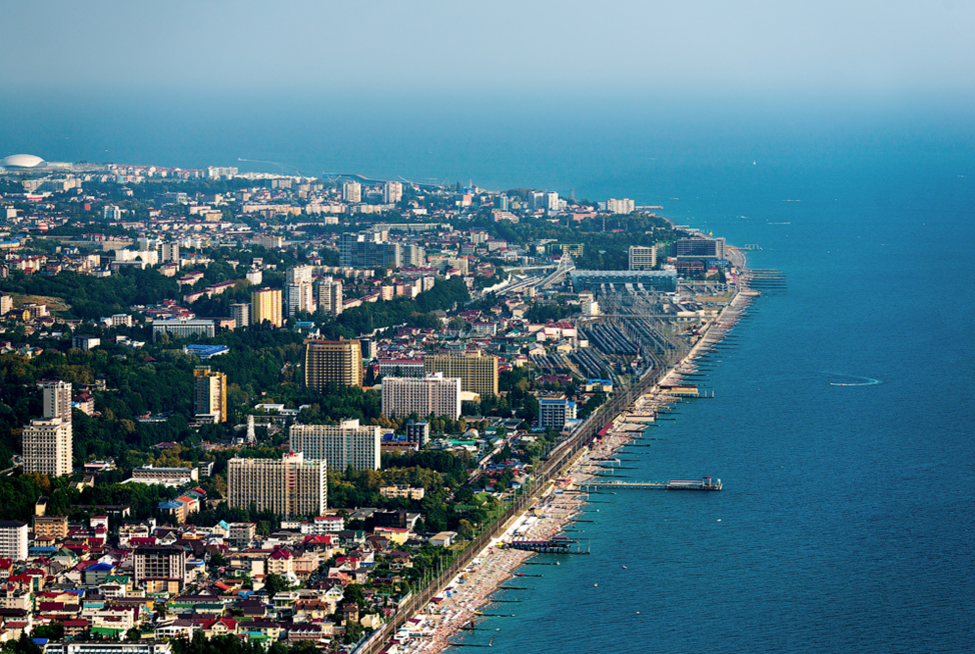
x=340, y=446
x=642, y=257
x=330, y=295
x=13, y=540
x=434, y=394
x=352, y=192
x=290, y=486
x=392, y=192
x=620, y=206
x=57, y=400
x=48, y=447
x=299, y=297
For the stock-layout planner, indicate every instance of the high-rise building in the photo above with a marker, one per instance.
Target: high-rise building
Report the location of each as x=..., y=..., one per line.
x=241, y=313
x=413, y=256
x=161, y=567
x=299, y=297
x=289, y=486
x=13, y=540
x=700, y=247
x=168, y=252
x=642, y=257
x=338, y=362
x=266, y=305
x=211, y=394
x=623, y=206
x=299, y=275
x=329, y=295
x=418, y=432
x=555, y=412
x=352, y=192
x=111, y=212
x=392, y=192
x=478, y=373
x=340, y=446
x=369, y=250
x=48, y=447
x=57, y=399
x=433, y=394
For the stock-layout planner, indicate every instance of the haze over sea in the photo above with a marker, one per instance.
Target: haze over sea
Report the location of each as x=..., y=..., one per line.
x=842, y=421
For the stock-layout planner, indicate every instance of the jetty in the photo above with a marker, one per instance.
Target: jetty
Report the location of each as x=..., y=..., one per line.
x=704, y=484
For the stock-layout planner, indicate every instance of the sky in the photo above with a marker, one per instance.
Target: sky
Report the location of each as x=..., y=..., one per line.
x=569, y=48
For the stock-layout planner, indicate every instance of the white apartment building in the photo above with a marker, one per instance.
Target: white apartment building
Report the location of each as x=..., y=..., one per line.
x=48, y=447
x=623, y=206
x=392, y=192
x=555, y=412
x=434, y=394
x=329, y=295
x=241, y=313
x=57, y=399
x=352, y=192
x=290, y=486
x=13, y=540
x=299, y=297
x=643, y=257
x=340, y=446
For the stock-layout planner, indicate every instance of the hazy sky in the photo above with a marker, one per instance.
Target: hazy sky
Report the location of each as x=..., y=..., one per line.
x=871, y=47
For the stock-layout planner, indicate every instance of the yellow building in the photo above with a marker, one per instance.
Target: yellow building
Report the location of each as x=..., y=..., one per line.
x=333, y=361
x=266, y=305
x=211, y=395
x=477, y=373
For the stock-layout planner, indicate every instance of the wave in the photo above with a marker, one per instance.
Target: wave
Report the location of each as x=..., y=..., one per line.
x=864, y=381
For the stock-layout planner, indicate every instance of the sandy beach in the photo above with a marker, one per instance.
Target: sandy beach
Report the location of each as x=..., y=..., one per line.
x=455, y=607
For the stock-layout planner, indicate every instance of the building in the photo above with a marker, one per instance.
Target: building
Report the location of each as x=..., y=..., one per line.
x=266, y=306
x=402, y=491
x=713, y=248
x=614, y=281
x=298, y=298
x=478, y=373
x=623, y=206
x=84, y=342
x=48, y=446
x=289, y=486
x=418, y=432
x=392, y=192
x=182, y=328
x=401, y=368
x=210, y=397
x=50, y=528
x=242, y=534
x=162, y=568
x=109, y=647
x=340, y=446
x=169, y=253
x=164, y=475
x=241, y=313
x=642, y=257
x=299, y=295
x=554, y=413
x=328, y=295
x=433, y=394
x=352, y=192
x=332, y=362
x=13, y=540
x=369, y=250
x=57, y=399
x=111, y=213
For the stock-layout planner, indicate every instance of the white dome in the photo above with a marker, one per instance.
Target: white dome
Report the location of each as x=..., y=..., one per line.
x=21, y=161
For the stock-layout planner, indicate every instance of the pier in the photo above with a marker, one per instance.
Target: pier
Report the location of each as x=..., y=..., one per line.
x=705, y=484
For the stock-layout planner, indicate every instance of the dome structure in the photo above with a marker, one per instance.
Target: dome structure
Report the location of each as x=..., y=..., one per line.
x=21, y=161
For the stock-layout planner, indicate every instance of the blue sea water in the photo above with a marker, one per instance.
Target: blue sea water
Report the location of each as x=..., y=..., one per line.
x=846, y=522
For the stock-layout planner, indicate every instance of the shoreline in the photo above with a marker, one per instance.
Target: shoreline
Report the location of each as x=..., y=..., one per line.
x=429, y=631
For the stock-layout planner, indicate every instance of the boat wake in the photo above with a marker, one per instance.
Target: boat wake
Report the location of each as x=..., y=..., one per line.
x=863, y=381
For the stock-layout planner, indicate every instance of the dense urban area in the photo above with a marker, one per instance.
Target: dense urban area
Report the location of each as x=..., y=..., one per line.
x=248, y=411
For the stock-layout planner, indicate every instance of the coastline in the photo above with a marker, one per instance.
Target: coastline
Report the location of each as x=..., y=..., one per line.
x=457, y=604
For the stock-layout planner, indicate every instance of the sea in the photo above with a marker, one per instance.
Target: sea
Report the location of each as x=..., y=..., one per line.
x=843, y=419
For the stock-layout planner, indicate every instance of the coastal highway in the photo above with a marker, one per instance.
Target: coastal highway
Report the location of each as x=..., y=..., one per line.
x=558, y=459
